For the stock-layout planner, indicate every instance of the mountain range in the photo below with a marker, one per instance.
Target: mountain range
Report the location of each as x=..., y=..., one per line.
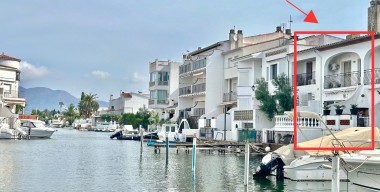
x=42, y=98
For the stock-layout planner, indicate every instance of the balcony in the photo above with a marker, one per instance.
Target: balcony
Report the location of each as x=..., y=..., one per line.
x=198, y=88
x=243, y=115
x=199, y=112
x=199, y=64
x=159, y=83
x=12, y=94
x=342, y=80
x=231, y=96
x=368, y=76
x=305, y=79
x=162, y=102
x=185, y=90
x=283, y=121
x=151, y=102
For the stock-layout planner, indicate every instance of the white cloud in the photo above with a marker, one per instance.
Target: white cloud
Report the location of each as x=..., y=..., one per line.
x=100, y=74
x=31, y=72
x=138, y=78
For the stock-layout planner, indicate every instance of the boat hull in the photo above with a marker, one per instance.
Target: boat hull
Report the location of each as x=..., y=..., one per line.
x=308, y=168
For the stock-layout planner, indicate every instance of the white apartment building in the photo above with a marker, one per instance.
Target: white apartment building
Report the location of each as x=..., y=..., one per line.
x=163, y=87
x=128, y=103
x=9, y=83
x=210, y=70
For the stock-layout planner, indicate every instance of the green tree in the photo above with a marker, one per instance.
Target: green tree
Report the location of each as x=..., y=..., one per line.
x=284, y=93
x=130, y=119
x=88, y=105
x=268, y=103
x=60, y=106
x=143, y=114
x=70, y=114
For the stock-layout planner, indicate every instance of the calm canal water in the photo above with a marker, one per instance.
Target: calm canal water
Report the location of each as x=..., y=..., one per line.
x=89, y=161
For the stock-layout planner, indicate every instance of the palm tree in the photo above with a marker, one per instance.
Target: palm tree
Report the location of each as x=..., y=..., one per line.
x=88, y=105
x=70, y=114
x=60, y=106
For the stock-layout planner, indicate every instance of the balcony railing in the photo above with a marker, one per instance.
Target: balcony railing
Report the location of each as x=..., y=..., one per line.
x=284, y=121
x=151, y=102
x=12, y=94
x=305, y=79
x=368, y=76
x=162, y=102
x=185, y=90
x=198, y=88
x=192, y=66
x=199, y=112
x=231, y=96
x=342, y=80
x=243, y=115
x=159, y=83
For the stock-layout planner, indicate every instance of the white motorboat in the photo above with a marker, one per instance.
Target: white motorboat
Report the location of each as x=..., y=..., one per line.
x=311, y=168
x=36, y=128
x=171, y=131
x=363, y=169
x=10, y=132
x=56, y=123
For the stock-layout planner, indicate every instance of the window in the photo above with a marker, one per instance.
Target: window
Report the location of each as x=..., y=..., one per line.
x=273, y=71
x=18, y=76
x=7, y=88
x=162, y=94
x=243, y=78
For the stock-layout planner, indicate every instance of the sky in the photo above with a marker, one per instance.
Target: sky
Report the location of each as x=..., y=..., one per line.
x=105, y=46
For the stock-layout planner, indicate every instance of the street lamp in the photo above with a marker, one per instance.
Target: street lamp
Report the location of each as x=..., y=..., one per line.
x=253, y=87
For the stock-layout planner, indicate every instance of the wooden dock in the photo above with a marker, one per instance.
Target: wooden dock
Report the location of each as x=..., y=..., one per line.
x=221, y=146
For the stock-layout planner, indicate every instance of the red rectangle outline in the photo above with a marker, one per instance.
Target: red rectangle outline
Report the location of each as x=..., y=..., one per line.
x=372, y=88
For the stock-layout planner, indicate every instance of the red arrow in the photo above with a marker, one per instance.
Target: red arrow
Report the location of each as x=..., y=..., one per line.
x=309, y=17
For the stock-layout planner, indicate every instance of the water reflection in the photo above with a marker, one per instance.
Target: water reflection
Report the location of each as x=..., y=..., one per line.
x=89, y=161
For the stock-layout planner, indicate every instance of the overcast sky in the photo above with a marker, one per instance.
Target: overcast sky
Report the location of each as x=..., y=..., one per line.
x=104, y=46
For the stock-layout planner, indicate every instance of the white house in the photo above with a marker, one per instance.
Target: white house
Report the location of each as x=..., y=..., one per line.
x=128, y=103
x=163, y=87
x=210, y=70
x=9, y=83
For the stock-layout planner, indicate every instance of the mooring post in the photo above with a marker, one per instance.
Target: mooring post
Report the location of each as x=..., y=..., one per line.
x=335, y=183
x=141, y=140
x=167, y=149
x=246, y=163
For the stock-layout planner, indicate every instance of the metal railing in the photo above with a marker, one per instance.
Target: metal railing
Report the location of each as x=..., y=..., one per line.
x=231, y=96
x=305, y=79
x=368, y=76
x=185, y=90
x=162, y=102
x=199, y=111
x=192, y=66
x=152, y=83
x=151, y=102
x=198, y=88
x=342, y=80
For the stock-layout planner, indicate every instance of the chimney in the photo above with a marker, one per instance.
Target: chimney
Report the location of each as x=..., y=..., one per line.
x=232, y=39
x=352, y=36
x=239, y=42
x=288, y=31
x=199, y=48
x=278, y=29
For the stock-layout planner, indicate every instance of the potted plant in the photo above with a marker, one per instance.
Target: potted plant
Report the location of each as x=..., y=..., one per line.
x=354, y=109
x=326, y=110
x=339, y=109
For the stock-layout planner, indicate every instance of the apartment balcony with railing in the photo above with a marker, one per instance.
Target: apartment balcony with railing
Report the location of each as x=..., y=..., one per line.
x=195, y=65
x=198, y=112
x=198, y=88
x=158, y=83
x=283, y=121
x=305, y=79
x=12, y=94
x=231, y=96
x=342, y=80
x=158, y=102
x=368, y=76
